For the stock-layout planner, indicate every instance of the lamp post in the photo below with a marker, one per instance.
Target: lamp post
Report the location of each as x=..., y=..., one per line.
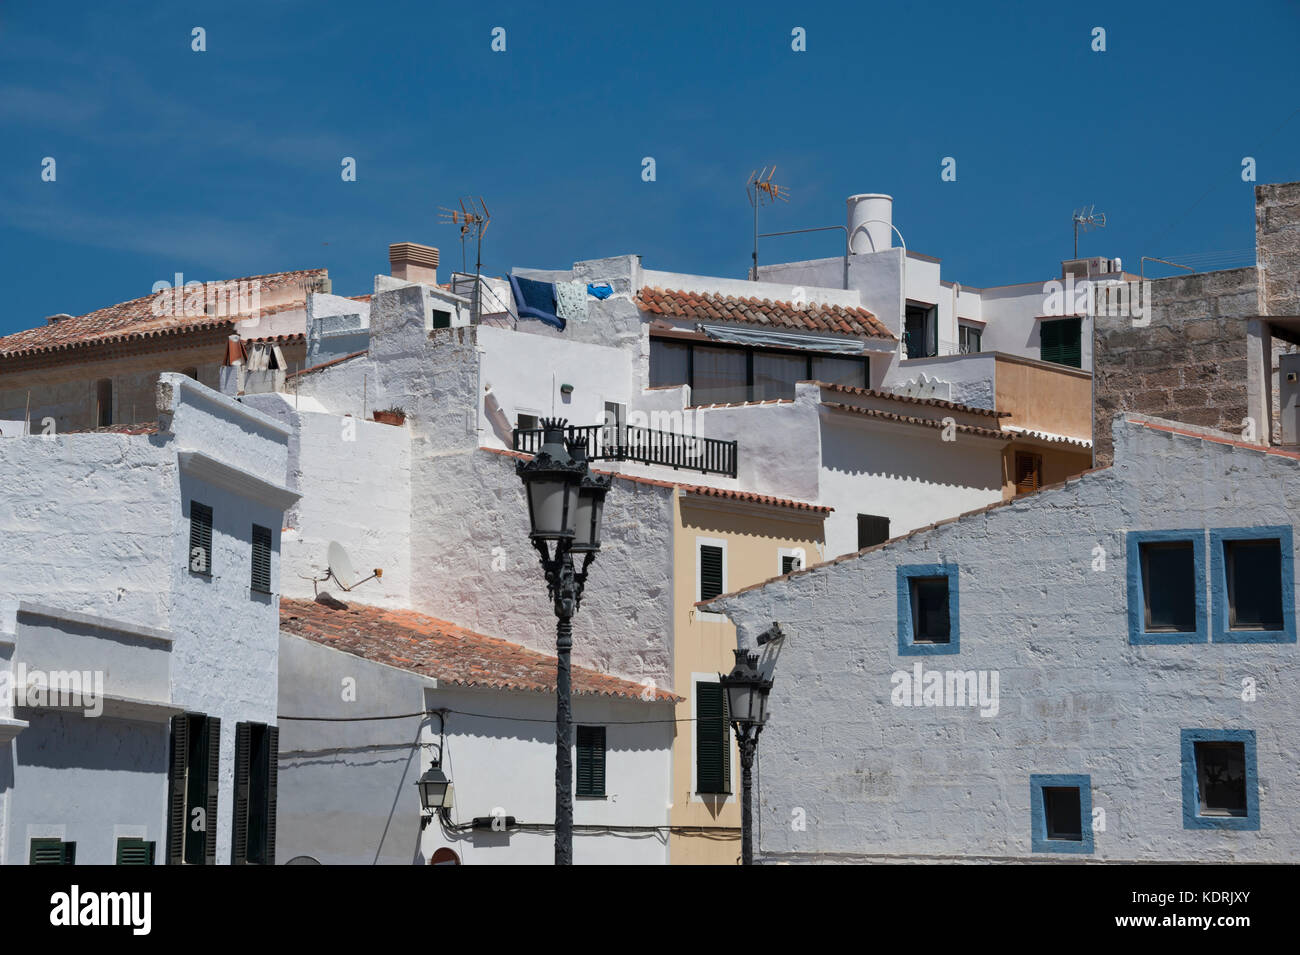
x=747, y=703
x=565, y=506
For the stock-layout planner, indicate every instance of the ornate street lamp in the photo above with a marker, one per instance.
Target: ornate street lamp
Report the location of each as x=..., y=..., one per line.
x=565, y=505
x=747, y=692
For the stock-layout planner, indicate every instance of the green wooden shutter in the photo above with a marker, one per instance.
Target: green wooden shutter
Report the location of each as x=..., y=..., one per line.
x=872, y=530
x=710, y=571
x=272, y=785
x=261, y=559
x=239, y=831
x=712, y=739
x=52, y=852
x=591, y=761
x=1061, y=341
x=176, y=777
x=213, y=788
x=200, y=537
x=134, y=852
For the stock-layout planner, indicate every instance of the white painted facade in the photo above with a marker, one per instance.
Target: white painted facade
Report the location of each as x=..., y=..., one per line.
x=1044, y=589
x=94, y=576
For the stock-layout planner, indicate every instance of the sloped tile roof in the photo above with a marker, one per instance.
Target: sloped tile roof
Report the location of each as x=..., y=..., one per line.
x=448, y=653
x=136, y=320
x=913, y=400
x=811, y=317
x=923, y=422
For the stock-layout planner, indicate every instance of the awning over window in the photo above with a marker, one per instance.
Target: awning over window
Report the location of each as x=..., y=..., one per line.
x=771, y=339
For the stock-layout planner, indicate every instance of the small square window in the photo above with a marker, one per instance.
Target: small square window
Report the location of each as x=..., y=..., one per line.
x=927, y=609
x=1060, y=810
x=1167, y=598
x=1252, y=571
x=1220, y=783
x=1169, y=586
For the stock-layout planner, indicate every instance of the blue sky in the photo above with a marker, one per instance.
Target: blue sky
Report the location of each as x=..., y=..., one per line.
x=227, y=162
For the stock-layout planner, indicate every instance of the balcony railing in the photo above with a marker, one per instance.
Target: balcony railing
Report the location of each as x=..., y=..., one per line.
x=644, y=446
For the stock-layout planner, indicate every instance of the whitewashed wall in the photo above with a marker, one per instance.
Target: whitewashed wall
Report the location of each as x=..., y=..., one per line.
x=877, y=780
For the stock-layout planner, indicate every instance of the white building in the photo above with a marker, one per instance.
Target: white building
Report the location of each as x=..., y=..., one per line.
x=138, y=636
x=1104, y=669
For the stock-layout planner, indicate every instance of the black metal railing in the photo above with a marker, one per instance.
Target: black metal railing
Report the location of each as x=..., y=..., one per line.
x=644, y=446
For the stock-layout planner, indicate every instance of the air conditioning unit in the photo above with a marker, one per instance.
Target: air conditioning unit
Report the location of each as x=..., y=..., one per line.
x=1288, y=382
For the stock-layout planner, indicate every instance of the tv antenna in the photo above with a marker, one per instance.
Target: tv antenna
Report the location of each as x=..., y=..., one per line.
x=340, y=569
x=761, y=189
x=1088, y=220
x=473, y=218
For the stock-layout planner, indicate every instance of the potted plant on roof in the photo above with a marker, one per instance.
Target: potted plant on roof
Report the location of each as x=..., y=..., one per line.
x=394, y=415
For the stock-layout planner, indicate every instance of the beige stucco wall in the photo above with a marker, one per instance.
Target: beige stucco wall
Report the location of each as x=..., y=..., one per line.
x=1058, y=464
x=753, y=537
x=1044, y=397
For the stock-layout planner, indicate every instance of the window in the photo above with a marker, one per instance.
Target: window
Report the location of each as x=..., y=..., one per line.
x=732, y=373
x=1166, y=587
x=1220, y=784
x=927, y=609
x=920, y=331
x=792, y=559
x=872, y=530
x=1060, y=813
x=968, y=339
x=720, y=375
x=200, y=538
x=440, y=318
x=850, y=372
x=711, y=576
x=134, y=852
x=1029, y=472
x=52, y=852
x=1252, y=569
x=591, y=761
x=1060, y=341
x=261, y=559
x=193, y=781
x=613, y=434
x=712, y=739
x=526, y=422
x=257, y=754
x=104, y=402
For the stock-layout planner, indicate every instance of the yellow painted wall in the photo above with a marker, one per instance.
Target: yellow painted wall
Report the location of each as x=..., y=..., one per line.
x=1042, y=396
x=703, y=644
x=1057, y=464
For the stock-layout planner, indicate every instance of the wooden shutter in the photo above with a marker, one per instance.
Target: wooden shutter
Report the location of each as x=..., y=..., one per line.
x=272, y=784
x=712, y=740
x=789, y=563
x=176, y=778
x=52, y=852
x=872, y=530
x=1061, y=341
x=239, y=830
x=261, y=559
x=1029, y=472
x=710, y=571
x=214, y=787
x=591, y=760
x=134, y=852
x=200, y=536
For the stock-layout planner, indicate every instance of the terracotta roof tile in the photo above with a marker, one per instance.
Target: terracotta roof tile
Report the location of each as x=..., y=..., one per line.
x=911, y=399
x=812, y=317
x=136, y=320
x=441, y=650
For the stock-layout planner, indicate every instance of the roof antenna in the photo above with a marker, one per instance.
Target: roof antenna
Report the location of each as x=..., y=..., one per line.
x=760, y=188
x=1089, y=220
x=472, y=217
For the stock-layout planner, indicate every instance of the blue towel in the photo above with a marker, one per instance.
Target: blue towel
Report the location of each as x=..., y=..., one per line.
x=536, y=299
x=600, y=291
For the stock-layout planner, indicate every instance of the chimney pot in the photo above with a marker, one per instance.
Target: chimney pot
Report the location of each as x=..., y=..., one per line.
x=55, y=319
x=413, y=262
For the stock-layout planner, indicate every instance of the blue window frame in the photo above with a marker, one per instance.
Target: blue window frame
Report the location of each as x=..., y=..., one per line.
x=1220, y=783
x=922, y=612
x=1052, y=798
x=1141, y=566
x=1222, y=561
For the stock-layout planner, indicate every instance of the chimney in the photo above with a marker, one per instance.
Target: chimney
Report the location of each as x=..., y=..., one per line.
x=413, y=262
x=55, y=319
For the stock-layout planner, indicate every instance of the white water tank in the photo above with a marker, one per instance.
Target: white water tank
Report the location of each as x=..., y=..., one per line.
x=871, y=217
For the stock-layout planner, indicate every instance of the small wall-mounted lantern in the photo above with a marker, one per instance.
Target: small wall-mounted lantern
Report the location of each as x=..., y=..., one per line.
x=566, y=389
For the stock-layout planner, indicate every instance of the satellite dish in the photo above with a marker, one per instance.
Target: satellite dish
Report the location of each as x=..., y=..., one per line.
x=340, y=565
